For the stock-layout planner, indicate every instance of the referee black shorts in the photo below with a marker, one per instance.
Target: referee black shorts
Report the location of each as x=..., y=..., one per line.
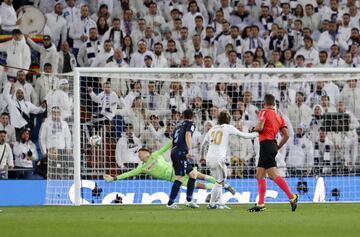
x=268, y=151
x=180, y=163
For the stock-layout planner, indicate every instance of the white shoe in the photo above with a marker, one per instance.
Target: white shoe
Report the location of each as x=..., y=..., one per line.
x=173, y=206
x=223, y=206
x=191, y=204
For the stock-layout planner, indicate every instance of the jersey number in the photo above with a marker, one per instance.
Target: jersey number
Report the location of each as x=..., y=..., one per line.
x=176, y=136
x=216, y=137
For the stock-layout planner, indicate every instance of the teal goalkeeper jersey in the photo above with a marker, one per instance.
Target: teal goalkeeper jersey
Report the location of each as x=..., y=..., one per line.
x=155, y=166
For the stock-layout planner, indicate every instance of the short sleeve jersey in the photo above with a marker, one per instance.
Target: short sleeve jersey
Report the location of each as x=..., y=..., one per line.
x=179, y=142
x=273, y=122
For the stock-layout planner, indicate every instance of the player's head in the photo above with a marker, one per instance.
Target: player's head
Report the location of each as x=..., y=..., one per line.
x=188, y=114
x=143, y=154
x=224, y=117
x=269, y=100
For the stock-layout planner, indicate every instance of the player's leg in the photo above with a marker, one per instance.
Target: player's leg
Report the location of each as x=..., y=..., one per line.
x=179, y=173
x=208, y=185
x=190, y=185
x=219, y=173
x=208, y=178
x=280, y=181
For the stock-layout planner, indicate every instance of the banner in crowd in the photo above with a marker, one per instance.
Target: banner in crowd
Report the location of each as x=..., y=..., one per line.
x=311, y=189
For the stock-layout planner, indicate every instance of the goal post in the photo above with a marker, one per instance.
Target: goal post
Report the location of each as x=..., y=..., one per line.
x=331, y=174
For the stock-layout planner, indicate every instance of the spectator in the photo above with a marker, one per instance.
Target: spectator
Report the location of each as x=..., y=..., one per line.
x=8, y=18
x=299, y=112
x=324, y=155
x=61, y=99
x=128, y=24
x=350, y=96
x=48, y=52
x=67, y=61
x=323, y=59
x=300, y=159
x=102, y=27
x=154, y=19
x=223, y=38
x=126, y=149
x=153, y=136
x=335, y=59
x=6, y=157
x=329, y=37
x=137, y=59
x=149, y=38
x=172, y=54
x=176, y=99
x=115, y=35
x=315, y=97
x=139, y=33
x=57, y=25
x=103, y=56
x=20, y=110
x=189, y=18
x=90, y=49
x=326, y=106
x=241, y=17
x=232, y=61
x=18, y=53
x=71, y=13
x=107, y=102
x=46, y=83
x=220, y=97
x=311, y=54
x=25, y=154
x=29, y=91
x=286, y=18
x=311, y=19
x=103, y=11
x=56, y=143
x=5, y=125
x=128, y=48
x=80, y=28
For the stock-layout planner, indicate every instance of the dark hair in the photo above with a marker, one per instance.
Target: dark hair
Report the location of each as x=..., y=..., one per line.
x=100, y=30
x=16, y=32
x=188, y=114
x=143, y=149
x=269, y=99
x=224, y=117
x=47, y=65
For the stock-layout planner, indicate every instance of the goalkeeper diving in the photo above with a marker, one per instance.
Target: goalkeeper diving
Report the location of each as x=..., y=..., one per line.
x=156, y=166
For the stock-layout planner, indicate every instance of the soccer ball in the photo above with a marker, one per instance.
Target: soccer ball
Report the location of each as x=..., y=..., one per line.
x=95, y=141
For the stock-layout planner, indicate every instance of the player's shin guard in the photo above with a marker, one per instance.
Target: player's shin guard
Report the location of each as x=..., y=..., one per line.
x=174, y=191
x=262, y=191
x=190, y=189
x=284, y=186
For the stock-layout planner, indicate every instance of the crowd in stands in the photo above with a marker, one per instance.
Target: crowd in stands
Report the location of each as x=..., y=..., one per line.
x=36, y=109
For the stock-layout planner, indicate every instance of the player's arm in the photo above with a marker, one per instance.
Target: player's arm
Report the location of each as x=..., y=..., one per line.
x=284, y=137
x=188, y=135
x=163, y=149
x=260, y=125
x=138, y=170
x=245, y=135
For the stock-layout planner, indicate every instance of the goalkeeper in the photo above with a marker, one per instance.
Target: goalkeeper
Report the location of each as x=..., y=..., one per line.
x=155, y=166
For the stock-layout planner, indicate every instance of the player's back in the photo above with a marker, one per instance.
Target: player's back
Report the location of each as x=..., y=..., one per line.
x=218, y=137
x=179, y=141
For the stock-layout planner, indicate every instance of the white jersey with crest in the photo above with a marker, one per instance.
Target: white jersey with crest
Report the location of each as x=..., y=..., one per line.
x=218, y=140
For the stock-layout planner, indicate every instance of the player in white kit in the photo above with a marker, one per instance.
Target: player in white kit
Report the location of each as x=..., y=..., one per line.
x=218, y=141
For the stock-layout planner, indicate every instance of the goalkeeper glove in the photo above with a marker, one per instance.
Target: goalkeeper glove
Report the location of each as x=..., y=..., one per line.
x=109, y=178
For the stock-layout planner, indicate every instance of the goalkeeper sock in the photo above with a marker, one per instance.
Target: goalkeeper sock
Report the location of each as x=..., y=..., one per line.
x=209, y=186
x=190, y=189
x=215, y=193
x=261, y=190
x=174, y=191
x=284, y=186
x=210, y=179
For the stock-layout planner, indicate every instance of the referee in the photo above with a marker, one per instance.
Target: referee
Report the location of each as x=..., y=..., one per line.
x=269, y=124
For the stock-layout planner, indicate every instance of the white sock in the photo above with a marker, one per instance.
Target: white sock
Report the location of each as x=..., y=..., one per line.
x=215, y=193
x=220, y=200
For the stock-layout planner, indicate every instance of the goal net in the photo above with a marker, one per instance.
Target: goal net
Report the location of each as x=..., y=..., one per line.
x=118, y=111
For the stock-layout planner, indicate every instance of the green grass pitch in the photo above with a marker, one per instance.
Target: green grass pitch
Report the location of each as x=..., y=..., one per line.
x=341, y=220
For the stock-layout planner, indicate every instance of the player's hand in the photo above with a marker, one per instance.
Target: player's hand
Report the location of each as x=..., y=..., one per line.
x=255, y=134
x=108, y=178
x=189, y=155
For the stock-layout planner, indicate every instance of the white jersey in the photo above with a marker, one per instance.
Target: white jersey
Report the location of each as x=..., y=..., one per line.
x=218, y=139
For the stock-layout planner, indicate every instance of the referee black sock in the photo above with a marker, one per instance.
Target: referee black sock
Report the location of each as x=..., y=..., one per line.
x=190, y=189
x=174, y=191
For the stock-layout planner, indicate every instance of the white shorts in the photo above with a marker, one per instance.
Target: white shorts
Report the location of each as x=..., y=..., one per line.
x=218, y=169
